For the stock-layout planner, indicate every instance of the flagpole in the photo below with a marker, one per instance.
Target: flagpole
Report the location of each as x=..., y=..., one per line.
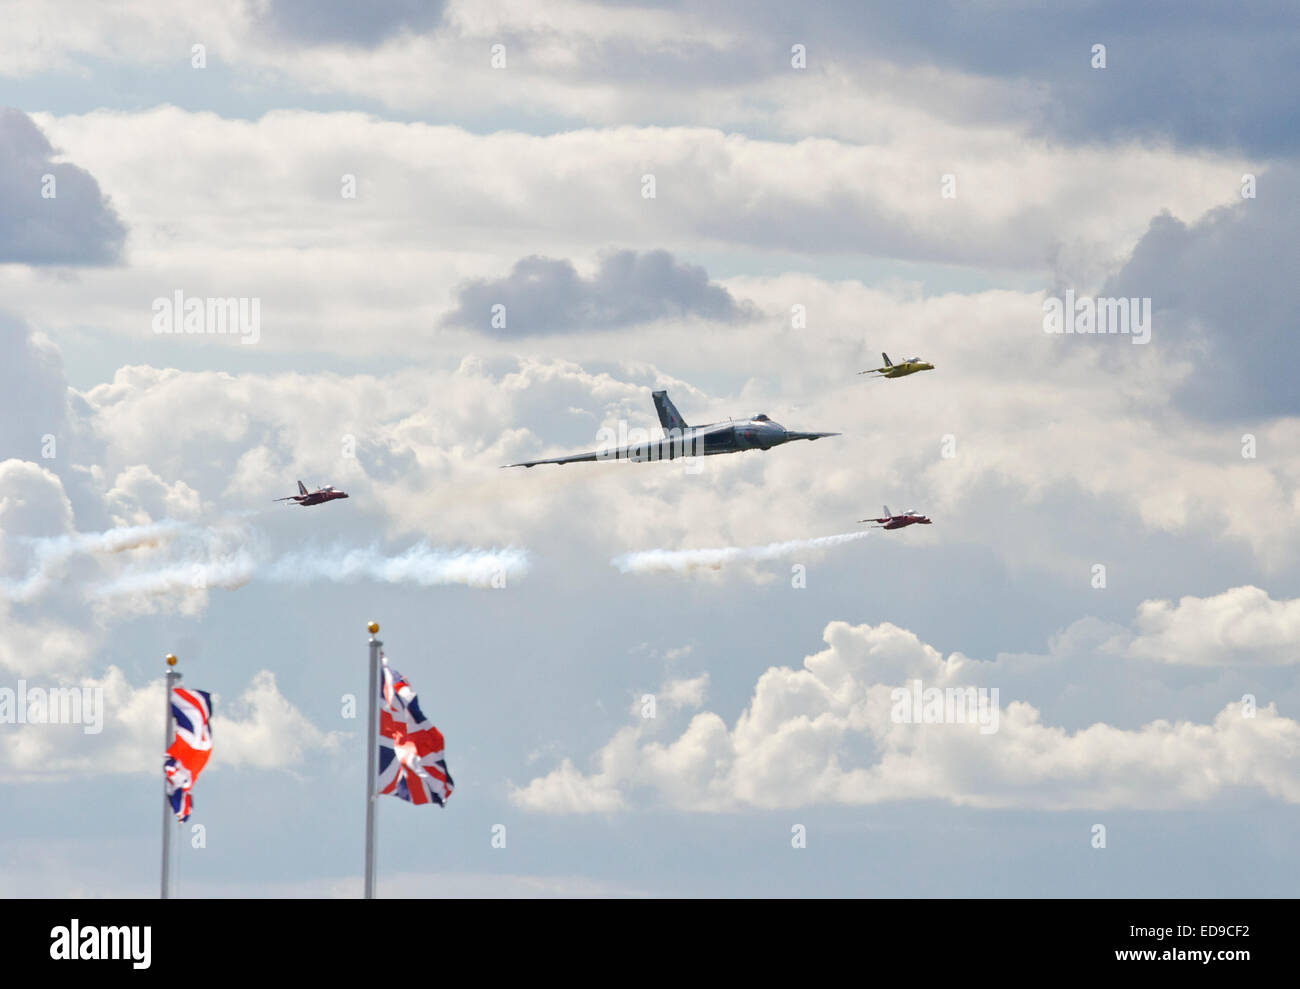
x=372, y=733
x=172, y=677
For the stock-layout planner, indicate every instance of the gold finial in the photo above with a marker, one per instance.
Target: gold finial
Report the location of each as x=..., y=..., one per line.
x=374, y=627
x=171, y=659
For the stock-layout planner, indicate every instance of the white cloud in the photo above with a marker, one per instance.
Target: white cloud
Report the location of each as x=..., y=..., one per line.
x=686, y=691
x=824, y=734
x=437, y=223
x=567, y=790
x=1241, y=626
x=260, y=729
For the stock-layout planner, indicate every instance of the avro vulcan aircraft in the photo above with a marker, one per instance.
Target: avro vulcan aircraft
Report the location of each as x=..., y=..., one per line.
x=898, y=521
x=681, y=440
x=892, y=370
x=305, y=497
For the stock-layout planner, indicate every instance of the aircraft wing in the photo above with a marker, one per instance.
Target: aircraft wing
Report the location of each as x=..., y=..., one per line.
x=662, y=448
x=575, y=458
x=791, y=435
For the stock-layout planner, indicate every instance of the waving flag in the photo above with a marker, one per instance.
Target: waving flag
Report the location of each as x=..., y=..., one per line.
x=411, y=763
x=189, y=751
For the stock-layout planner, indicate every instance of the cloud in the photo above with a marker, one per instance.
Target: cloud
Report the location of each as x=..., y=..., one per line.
x=548, y=296
x=341, y=22
x=567, y=790
x=686, y=692
x=1241, y=626
x=40, y=645
x=827, y=733
x=1224, y=297
x=260, y=728
x=75, y=225
x=1193, y=74
x=443, y=226
x=267, y=731
x=31, y=380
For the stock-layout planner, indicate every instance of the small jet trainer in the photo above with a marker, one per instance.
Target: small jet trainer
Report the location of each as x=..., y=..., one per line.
x=681, y=440
x=892, y=370
x=305, y=497
x=892, y=521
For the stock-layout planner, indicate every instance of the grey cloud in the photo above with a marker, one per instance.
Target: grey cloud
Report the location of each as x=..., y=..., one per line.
x=547, y=295
x=1197, y=72
x=1194, y=71
x=76, y=227
x=1224, y=295
x=363, y=25
x=35, y=392
x=36, y=406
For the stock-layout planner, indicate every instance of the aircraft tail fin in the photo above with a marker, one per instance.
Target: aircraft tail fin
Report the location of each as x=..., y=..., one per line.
x=888, y=513
x=888, y=362
x=669, y=417
x=302, y=488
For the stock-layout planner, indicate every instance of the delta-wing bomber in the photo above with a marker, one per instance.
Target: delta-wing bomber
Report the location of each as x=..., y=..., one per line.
x=680, y=440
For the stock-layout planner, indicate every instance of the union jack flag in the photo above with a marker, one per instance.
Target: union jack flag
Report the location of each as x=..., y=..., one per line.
x=411, y=763
x=189, y=751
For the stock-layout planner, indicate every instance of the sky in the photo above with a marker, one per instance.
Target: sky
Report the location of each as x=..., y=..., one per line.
x=461, y=235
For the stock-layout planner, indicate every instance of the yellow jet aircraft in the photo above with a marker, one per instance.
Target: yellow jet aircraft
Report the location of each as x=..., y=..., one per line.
x=892, y=370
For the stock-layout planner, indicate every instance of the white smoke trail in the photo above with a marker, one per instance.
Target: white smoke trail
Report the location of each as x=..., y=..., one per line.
x=50, y=553
x=686, y=560
x=182, y=559
x=227, y=572
x=421, y=564
x=112, y=541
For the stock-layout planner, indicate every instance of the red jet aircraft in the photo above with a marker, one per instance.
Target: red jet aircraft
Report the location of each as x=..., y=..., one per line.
x=305, y=497
x=898, y=521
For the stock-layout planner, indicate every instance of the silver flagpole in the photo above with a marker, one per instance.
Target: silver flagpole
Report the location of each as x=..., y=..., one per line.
x=372, y=734
x=172, y=677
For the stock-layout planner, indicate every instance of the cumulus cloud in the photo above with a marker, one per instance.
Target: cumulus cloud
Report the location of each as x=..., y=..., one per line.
x=260, y=728
x=1241, y=626
x=545, y=295
x=138, y=495
x=31, y=379
x=830, y=732
x=51, y=212
x=1224, y=297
